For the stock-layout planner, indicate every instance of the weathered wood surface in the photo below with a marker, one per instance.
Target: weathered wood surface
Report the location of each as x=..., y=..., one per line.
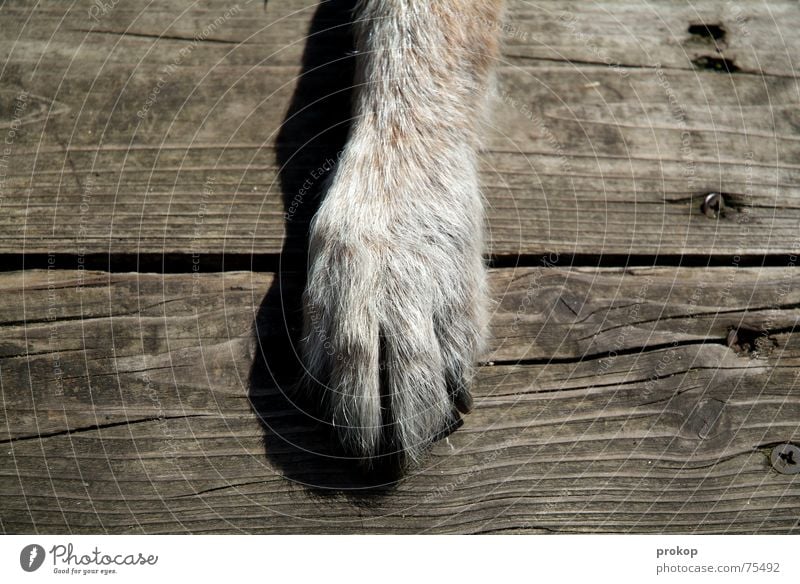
x=130, y=405
x=583, y=157
x=612, y=399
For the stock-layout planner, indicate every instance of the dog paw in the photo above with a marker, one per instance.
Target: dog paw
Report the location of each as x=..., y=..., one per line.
x=395, y=302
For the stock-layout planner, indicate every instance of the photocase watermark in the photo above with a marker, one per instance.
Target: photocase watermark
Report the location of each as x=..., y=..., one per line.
x=570, y=21
x=633, y=318
x=784, y=289
x=550, y=138
x=738, y=17
x=65, y=560
x=168, y=448
x=20, y=103
x=448, y=488
x=182, y=55
x=533, y=289
x=321, y=172
x=53, y=338
x=539, y=122
x=83, y=229
x=197, y=234
x=31, y=557
x=317, y=329
x=101, y=8
x=507, y=30
x=678, y=112
x=743, y=221
x=670, y=355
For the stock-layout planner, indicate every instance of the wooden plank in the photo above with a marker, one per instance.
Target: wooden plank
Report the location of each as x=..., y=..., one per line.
x=607, y=134
x=131, y=404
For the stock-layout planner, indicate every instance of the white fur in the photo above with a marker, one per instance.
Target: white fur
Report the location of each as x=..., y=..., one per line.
x=395, y=304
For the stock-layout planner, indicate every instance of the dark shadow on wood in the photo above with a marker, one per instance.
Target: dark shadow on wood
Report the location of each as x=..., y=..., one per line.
x=314, y=131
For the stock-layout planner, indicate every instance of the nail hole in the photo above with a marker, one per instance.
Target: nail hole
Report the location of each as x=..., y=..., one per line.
x=713, y=205
x=707, y=31
x=718, y=64
x=750, y=340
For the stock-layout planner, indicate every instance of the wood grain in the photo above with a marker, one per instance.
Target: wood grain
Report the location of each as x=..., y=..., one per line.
x=631, y=397
x=132, y=404
x=607, y=134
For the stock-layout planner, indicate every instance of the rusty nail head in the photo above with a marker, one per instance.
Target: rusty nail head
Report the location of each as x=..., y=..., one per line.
x=785, y=458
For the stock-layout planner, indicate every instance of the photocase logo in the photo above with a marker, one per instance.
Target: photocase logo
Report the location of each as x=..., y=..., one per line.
x=31, y=557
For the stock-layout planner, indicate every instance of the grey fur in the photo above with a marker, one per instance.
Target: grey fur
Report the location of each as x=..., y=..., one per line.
x=396, y=300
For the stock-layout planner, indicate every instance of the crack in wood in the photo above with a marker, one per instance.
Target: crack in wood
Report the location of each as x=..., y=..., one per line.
x=636, y=381
x=643, y=349
x=156, y=37
x=96, y=427
x=703, y=63
x=743, y=310
x=223, y=488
